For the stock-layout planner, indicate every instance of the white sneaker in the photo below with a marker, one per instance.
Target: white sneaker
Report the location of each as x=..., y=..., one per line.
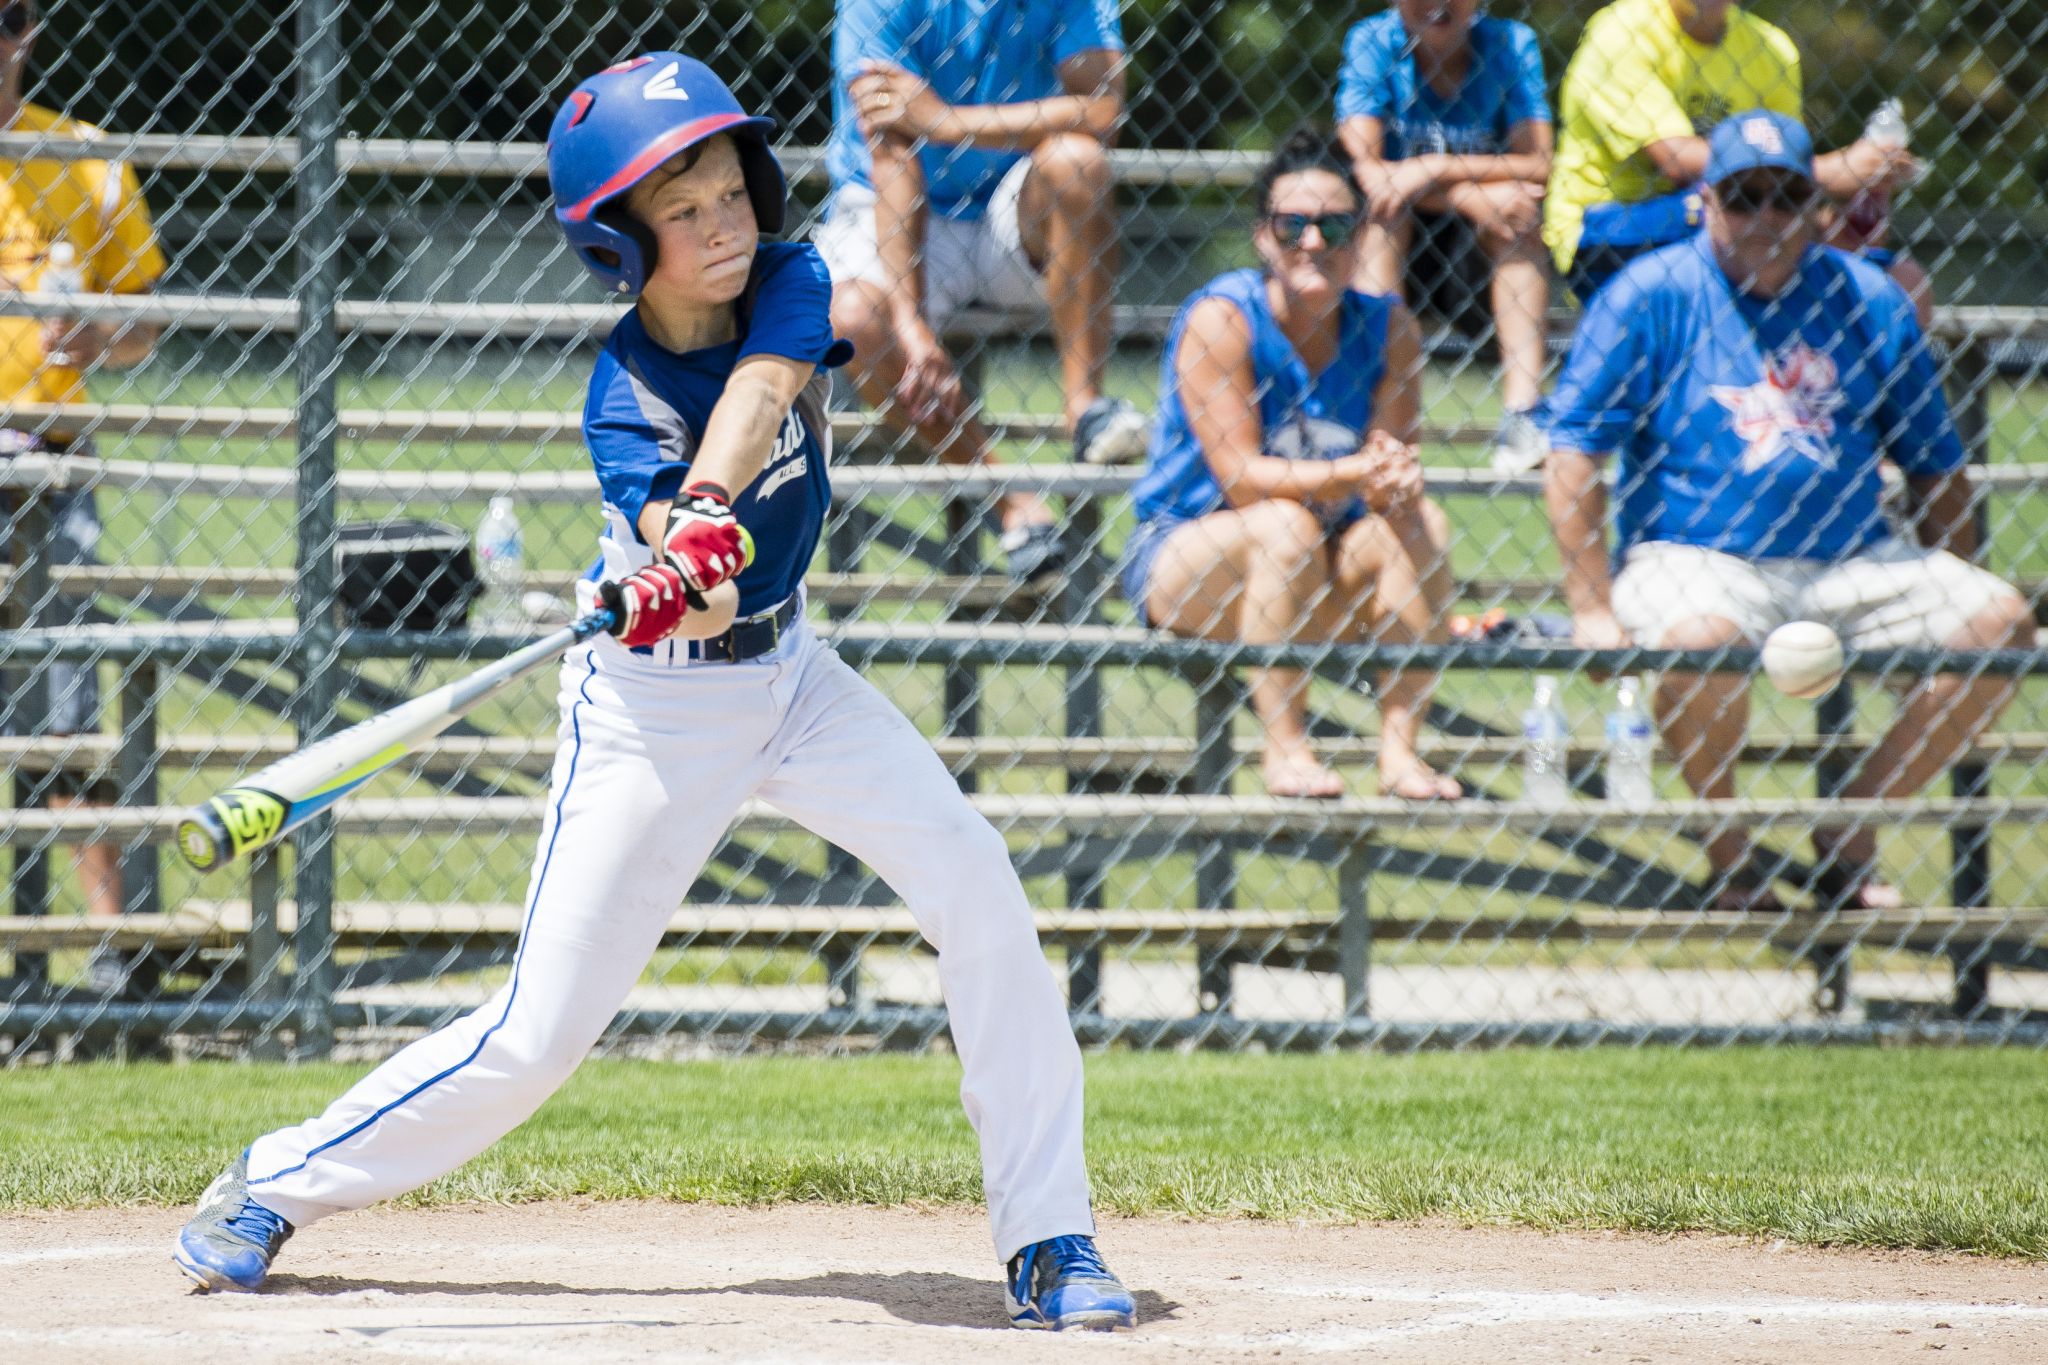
x=1520, y=446
x=1110, y=431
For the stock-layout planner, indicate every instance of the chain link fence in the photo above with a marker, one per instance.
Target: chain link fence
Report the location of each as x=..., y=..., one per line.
x=337, y=321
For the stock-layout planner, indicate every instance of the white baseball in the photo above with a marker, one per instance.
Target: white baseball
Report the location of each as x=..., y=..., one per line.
x=1803, y=658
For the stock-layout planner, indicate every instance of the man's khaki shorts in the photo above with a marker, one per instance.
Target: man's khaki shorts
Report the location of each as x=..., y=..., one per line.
x=1891, y=596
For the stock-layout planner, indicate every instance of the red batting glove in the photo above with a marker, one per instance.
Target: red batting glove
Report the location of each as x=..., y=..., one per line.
x=647, y=606
x=702, y=540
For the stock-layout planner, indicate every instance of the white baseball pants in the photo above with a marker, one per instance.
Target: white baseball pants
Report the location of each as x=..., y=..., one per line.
x=655, y=759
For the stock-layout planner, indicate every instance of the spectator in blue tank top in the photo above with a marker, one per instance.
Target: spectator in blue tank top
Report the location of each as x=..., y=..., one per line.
x=1283, y=500
x=1449, y=133
x=1750, y=381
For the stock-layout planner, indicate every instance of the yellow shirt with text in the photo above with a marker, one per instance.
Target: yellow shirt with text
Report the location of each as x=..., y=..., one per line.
x=94, y=205
x=1638, y=78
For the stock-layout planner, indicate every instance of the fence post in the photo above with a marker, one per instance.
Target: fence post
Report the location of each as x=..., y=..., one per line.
x=316, y=356
x=135, y=765
x=1970, y=845
x=1084, y=721
x=1216, y=704
x=1834, y=716
x=29, y=696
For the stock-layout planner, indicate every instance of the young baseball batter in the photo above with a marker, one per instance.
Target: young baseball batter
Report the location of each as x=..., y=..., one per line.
x=706, y=414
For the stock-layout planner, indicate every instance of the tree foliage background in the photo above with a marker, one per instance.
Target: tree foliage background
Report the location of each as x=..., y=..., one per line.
x=1209, y=73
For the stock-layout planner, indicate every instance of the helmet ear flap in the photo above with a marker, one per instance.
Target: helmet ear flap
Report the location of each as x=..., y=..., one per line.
x=638, y=236
x=766, y=186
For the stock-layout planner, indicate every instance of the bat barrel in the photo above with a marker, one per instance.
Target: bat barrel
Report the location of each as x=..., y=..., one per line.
x=232, y=825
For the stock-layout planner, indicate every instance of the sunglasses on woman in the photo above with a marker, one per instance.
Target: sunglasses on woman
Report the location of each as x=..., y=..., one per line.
x=1289, y=228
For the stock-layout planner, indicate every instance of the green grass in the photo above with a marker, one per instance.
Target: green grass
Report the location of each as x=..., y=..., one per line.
x=1936, y=1150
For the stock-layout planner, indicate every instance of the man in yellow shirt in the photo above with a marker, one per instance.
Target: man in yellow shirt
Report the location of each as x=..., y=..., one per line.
x=85, y=219
x=1648, y=81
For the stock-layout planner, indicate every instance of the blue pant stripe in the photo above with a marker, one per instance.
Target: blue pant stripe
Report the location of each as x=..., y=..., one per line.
x=547, y=859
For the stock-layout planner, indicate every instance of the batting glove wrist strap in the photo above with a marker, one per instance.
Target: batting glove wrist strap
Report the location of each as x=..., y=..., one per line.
x=646, y=606
x=702, y=540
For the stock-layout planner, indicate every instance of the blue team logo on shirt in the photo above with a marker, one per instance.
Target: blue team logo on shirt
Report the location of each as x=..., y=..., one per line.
x=1791, y=410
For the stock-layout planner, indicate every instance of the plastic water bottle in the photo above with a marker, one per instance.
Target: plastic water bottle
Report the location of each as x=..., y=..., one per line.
x=1887, y=127
x=61, y=275
x=1870, y=210
x=501, y=564
x=1546, y=747
x=1631, y=748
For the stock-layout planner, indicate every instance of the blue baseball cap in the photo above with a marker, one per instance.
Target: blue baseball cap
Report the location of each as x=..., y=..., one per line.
x=1758, y=140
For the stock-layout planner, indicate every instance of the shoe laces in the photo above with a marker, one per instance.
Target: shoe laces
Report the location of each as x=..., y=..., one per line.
x=254, y=1223
x=1076, y=1255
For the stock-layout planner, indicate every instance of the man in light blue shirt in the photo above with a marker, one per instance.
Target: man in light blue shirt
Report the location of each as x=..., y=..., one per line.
x=969, y=166
x=1750, y=382
x=1444, y=117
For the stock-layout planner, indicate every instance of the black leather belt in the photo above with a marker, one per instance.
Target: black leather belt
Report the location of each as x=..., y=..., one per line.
x=752, y=636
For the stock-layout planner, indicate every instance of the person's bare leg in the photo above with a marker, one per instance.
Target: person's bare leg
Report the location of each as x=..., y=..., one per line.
x=98, y=866
x=1936, y=725
x=1521, y=301
x=860, y=314
x=1254, y=574
x=1704, y=719
x=1067, y=220
x=1394, y=580
x=1382, y=256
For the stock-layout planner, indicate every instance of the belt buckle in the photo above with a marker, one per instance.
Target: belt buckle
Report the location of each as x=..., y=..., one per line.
x=750, y=627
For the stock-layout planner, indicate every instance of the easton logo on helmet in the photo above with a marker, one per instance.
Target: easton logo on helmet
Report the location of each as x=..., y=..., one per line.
x=662, y=85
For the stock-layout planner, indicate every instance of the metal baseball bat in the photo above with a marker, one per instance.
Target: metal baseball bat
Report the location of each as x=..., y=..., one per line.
x=276, y=800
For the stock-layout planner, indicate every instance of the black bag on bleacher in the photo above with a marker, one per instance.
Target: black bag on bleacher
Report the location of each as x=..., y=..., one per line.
x=404, y=574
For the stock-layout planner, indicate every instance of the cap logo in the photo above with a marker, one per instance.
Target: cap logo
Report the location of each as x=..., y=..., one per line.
x=662, y=85
x=1763, y=135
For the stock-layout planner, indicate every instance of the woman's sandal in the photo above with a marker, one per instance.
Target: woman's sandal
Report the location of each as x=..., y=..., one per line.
x=1298, y=780
x=1744, y=889
x=1423, y=786
x=1839, y=884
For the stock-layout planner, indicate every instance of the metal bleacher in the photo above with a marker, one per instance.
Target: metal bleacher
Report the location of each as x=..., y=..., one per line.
x=1125, y=797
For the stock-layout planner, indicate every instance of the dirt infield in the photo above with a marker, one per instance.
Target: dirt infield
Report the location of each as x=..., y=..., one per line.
x=633, y=1282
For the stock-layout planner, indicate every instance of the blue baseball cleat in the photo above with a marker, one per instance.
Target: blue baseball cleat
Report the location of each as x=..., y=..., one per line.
x=231, y=1239
x=1063, y=1283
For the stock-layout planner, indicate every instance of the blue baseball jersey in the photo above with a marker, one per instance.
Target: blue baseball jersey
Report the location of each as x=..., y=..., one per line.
x=648, y=407
x=973, y=52
x=1503, y=87
x=1177, y=481
x=1749, y=425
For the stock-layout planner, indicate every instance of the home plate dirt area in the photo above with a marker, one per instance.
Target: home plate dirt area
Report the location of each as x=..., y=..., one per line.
x=568, y=1281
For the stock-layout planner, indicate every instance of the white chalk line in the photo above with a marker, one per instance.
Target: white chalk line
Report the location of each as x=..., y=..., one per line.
x=1482, y=1309
x=82, y=1253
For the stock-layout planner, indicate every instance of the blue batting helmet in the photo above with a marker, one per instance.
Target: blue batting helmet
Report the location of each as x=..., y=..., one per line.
x=617, y=127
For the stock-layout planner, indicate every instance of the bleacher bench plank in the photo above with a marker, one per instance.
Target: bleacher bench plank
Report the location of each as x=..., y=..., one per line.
x=1349, y=820
x=1308, y=938
x=1155, y=758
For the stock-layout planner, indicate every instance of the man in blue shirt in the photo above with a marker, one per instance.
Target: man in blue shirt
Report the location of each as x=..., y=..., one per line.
x=1751, y=381
x=1449, y=133
x=969, y=165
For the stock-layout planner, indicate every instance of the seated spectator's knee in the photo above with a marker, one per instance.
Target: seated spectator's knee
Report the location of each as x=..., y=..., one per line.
x=1075, y=168
x=859, y=314
x=1283, y=531
x=2011, y=623
x=1702, y=632
x=1436, y=524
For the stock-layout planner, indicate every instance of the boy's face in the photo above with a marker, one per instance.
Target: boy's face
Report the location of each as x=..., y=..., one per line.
x=703, y=222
